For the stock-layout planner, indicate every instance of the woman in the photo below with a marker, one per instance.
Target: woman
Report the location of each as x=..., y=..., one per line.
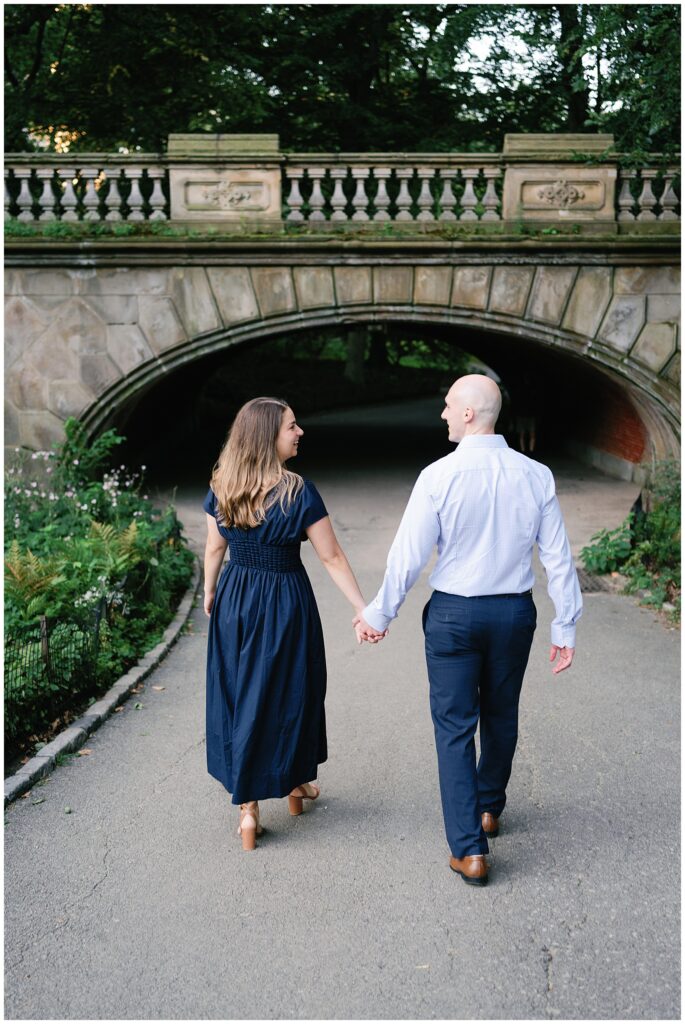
x=266, y=667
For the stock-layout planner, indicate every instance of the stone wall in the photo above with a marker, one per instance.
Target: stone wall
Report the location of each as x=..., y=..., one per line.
x=80, y=340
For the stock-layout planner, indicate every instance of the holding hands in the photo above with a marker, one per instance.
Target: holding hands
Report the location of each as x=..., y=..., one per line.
x=364, y=631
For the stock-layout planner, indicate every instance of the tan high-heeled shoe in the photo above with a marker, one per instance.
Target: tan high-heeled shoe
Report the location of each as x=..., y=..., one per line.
x=307, y=791
x=249, y=827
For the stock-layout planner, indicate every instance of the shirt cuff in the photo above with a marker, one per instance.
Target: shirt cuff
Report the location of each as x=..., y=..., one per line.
x=375, y=618
x=562, y=636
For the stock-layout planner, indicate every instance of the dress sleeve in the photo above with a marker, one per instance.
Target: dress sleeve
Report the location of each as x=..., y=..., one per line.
x=209, y=504
x=313, y=506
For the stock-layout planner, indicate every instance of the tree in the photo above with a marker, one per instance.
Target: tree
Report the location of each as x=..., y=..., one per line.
x=350, y=77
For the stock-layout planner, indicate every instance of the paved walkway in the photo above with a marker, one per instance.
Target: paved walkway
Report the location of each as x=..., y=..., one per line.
x=140, y=903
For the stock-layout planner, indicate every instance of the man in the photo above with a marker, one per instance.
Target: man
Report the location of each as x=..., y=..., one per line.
x=484, y=506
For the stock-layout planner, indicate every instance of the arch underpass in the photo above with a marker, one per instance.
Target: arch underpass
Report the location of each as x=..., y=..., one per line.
x=92, y=336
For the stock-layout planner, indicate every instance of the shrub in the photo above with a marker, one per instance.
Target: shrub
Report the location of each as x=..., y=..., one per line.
x=82, y=539
x=646, y=546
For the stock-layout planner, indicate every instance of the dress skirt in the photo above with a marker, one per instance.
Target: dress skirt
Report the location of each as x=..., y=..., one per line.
x=266, y=664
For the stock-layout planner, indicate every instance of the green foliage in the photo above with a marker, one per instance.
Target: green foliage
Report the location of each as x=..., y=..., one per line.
x=81, y=536
x=341, y=77
x=646, y=547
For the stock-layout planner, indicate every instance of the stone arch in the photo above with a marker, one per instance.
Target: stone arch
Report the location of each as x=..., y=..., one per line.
x=85, y=341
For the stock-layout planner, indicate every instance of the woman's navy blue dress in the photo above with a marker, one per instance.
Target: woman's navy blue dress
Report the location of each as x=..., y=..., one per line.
x=266, y=665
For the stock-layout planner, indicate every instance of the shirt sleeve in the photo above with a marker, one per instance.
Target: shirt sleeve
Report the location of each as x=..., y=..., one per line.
x=314, y=508
x=209, y=504
x=415, y=539
x=562, y=578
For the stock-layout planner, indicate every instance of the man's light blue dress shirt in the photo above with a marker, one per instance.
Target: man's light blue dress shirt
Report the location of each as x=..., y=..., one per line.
x=485, y=506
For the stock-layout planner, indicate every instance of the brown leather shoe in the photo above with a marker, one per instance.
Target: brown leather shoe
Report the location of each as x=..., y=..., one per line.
x=472, y=869
x=490, y=825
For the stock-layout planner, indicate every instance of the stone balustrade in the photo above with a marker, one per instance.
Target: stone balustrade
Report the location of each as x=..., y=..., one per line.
x=246, y=180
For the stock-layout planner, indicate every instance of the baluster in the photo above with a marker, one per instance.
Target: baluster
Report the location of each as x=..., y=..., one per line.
x=448, y=199
x=338, y=199
x=157, y=200
x=135, y=197
x=8, y=200
x=425, y=200
x=359, y=199
x=382, y=200
x=625, y=199
x=69, y=200
x=25, y=199
x=490, y=200
x=669, y=199
x=468, y=200
x=316, y=200
x=295, y=199
x=91, y=199
x=404, y=197
x=113, y=200
x=647, y=199
x=47, y=196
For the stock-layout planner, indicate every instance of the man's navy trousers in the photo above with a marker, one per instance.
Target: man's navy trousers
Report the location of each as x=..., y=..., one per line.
x=476, y=650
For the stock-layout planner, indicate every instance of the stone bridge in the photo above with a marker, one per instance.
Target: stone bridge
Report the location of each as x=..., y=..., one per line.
x=94, y=322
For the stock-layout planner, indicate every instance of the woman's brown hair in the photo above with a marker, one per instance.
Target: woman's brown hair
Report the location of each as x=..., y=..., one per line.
x=248, y=477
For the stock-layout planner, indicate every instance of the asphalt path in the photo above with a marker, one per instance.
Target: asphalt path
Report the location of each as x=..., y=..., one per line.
x=139, y=903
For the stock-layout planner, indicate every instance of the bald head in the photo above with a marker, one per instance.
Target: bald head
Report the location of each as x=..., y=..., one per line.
x=472, y=406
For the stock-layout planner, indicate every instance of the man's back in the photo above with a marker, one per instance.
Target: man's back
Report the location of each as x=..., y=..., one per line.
x=490, y=501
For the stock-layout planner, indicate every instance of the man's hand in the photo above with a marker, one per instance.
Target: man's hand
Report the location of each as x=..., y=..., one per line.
x=565, y=657
x=366, y=632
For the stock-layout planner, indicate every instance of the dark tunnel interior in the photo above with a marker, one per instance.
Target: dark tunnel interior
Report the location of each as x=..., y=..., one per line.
x=177, y=426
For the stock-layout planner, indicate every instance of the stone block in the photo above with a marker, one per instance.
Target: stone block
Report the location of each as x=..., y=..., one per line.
x=672, y=371
x=43, y=282
x=590, y=297
x=640, y=280
x=127, y=281
x=352, y=285
x=549, y=293
x=12, y=434
x=432, y=286
x=127, y=347
x=555, y=144
x=194, y=300
x=274, y=290
x=314, y=287
x=69, y=739
x=510, y=288
x=98, y=372
x=115, y=309
x=559, y=192
x=40, y=430
x=24, y=323
x=470, y=287
x=655, y=346
x=662, y=308
x=26, y=387
x=221, y=144
x=234, y=294
x=80, y=328
x=623, y=321
x=53, y=356
x=160, y=323
x=393, y=284
x=243, y=192
x=68, y=398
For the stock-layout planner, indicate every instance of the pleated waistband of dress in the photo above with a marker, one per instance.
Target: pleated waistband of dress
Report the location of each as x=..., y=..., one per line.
x=250, y=554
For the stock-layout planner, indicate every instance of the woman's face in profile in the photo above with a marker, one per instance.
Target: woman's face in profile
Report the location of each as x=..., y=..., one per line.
x=288, y=436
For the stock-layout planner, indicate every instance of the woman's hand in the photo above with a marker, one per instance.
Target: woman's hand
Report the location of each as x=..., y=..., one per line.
x=209, y=601
x=366, y=632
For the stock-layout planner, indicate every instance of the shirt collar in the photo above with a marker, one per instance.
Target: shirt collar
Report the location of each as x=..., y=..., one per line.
x=482, y=441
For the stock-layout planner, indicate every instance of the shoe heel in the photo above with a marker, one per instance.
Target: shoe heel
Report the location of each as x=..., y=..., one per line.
x=295, y=805
x=248, y=836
